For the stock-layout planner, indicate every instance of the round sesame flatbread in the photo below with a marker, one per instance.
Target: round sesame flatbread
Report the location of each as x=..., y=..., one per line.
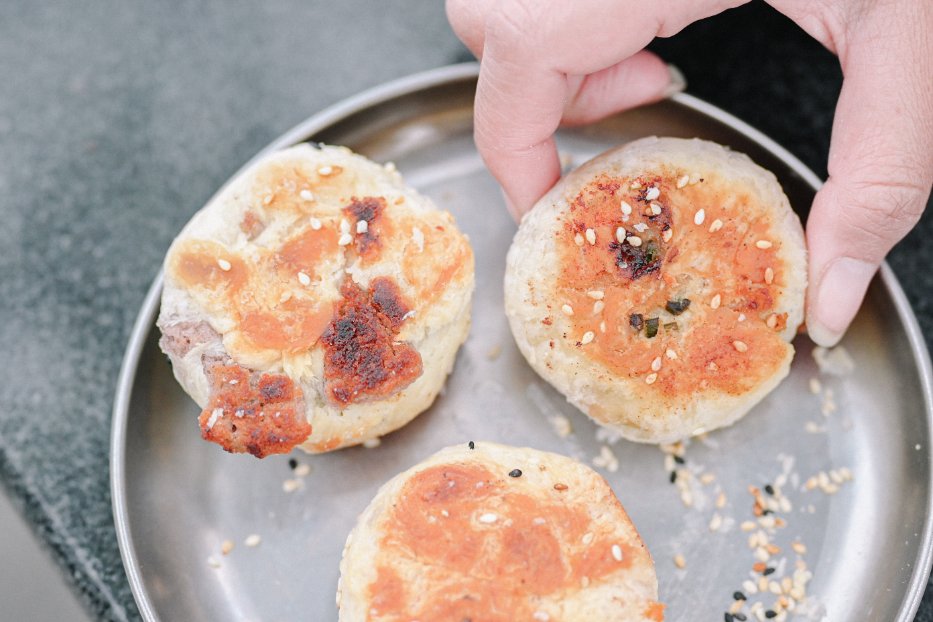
x=658, y=287
x=316, y=301
x=492, y=533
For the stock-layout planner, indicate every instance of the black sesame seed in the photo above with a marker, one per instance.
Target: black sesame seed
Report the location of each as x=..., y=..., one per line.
x=740, y=617
x=292, y=464
x=679, y=460
x=728, y=617
x=673, y=476
x=472, y=445
x=770, y=614
x=766, y=511
x=768, y=570
x=738, y=596
x=515, y=473
x=769, y=489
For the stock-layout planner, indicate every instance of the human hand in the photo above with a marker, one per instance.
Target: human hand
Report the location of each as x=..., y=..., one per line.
x=550, y=62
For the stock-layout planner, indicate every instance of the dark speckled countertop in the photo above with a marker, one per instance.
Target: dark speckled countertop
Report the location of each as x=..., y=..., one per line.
x=119, y=118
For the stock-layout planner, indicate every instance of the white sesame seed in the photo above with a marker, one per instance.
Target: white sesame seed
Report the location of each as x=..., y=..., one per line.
x=252, y=540
x=715, y=226
x=596, y=294
x=815, y=385
x=763, y=244
x=291, y=485
x=362, y=226
x=626, y=208
x=226, y=546
x=715, y=523
x=588, y=538
x=620, y=235
x=635, y=185
x=667, y=235
x=655, y=209
x=345, y=239
x=683, y=181
x=372, y=443
x=588, y=336
x=769, y=275
x=325, y=170
x=742, y=317
x=224, y=264
x=418, y=237
x=652, y=193
x=749, y=586
x=634, y=240
x=747, y=525
x=799, y=547
x=567, y=309
x=651, y=378
x=315, y=224
x=715, y=302
x=640, y=227
x=591, y=236
x=303, y=469
x=212, y=562
x=699, y=217
x=306, y=195
x=670, y=354
x=216, y=414
x=740, y=346
x=538, y=521
x=488, y=518
x=656, y=364
x=679, y=561
x=617, y=552
x=598, y=307
x=344, y=225
x=578, y=239
x=771, y=322
x=721, y=500
x=266, y=200
x=304, y=279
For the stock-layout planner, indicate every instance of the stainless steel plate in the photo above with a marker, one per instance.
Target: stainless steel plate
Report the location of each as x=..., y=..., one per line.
x=177, y=498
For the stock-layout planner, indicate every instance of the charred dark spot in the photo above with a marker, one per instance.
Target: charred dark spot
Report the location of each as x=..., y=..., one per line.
x=368, y=209
x=361, y=357
x=637, y=261
x=651, y=327
x=274, y=389
x=676, y=307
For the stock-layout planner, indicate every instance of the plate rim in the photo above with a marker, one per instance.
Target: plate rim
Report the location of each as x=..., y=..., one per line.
x=409, y=84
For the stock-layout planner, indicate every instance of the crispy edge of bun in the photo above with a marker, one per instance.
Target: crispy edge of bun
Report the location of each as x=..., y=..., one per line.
x=631, y=597
x=436, y=334
x=532, y=266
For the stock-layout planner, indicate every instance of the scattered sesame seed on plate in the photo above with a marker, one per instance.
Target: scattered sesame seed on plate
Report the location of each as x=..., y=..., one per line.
x=252, y=540
x=303, y=469
x=679, y=561
x=291, y=485
x=212, y=562
x=226, y=546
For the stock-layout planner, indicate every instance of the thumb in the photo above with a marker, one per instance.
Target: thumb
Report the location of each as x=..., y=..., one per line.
x=880, y=171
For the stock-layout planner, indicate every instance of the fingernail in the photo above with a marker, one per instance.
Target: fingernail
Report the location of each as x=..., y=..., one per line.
x=838, y=297
x=677, y=82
